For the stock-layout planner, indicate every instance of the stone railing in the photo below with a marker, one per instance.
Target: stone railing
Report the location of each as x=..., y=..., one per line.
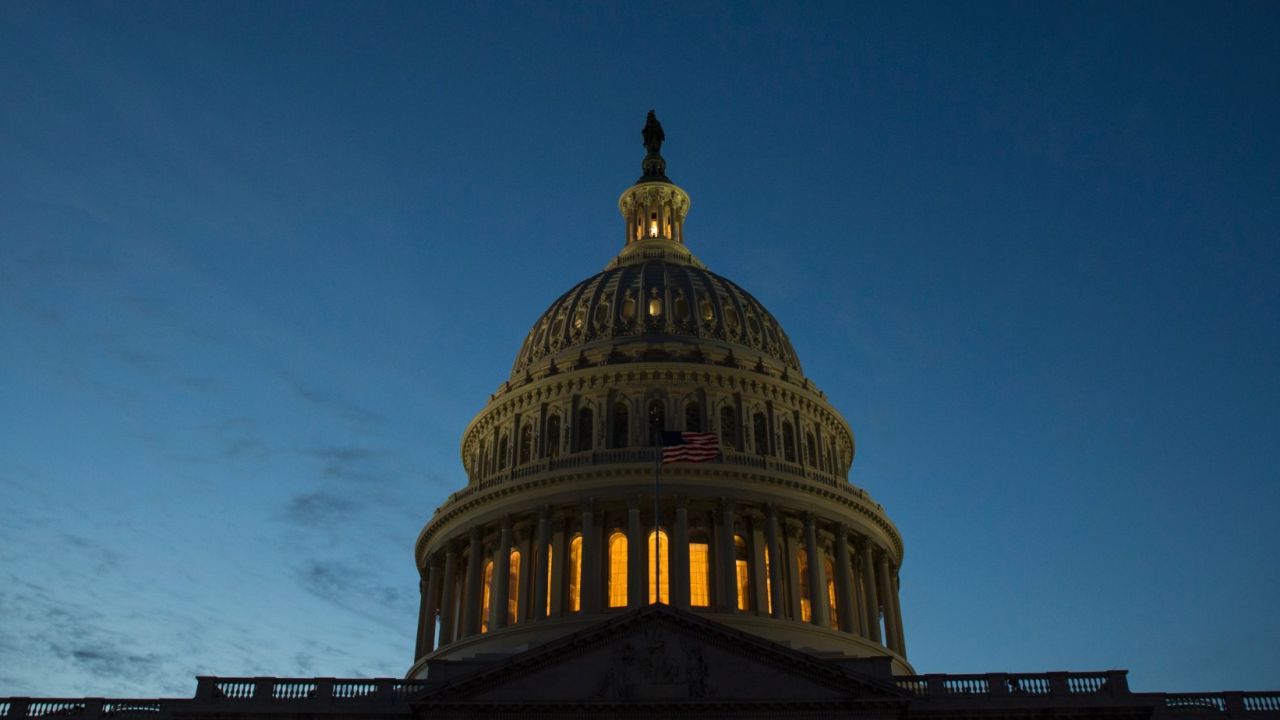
x=634, y=455
x=976, y=695
x=1015, y=685
x=1066, y=689
x=384, y=696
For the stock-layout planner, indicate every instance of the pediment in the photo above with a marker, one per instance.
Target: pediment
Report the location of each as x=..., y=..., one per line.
x=660, y=654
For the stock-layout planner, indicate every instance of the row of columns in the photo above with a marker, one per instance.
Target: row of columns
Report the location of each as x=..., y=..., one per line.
x=452, y=582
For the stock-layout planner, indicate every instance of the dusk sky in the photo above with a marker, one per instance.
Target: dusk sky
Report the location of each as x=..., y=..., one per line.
x=260, y=263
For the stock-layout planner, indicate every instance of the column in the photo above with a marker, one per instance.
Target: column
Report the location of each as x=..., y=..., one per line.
x=890, y=623
x=869, y=589
x=759, y=593
x=792, y=581
x=431, y=605
x=538, y=562
x=637, y=569
x=776, y=560
x=591, y=583
x=500, y=593
x=844, y=581
x=728, y=591
x=897, y=615
x=448, y=600
x=472, y=591
x=680, y=556
x=817, y=573
x=559, y=561
x=419, y=647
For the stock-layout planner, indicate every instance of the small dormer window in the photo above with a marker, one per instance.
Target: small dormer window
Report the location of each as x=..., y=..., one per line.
x=655, y=304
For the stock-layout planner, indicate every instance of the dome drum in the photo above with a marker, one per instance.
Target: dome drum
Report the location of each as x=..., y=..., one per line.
x=753, y=564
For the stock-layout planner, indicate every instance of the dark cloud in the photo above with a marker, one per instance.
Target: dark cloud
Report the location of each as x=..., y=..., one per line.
x=341, y=407
x=356, y=590
x=107, y=661
x=345, y=462
x=319, y=508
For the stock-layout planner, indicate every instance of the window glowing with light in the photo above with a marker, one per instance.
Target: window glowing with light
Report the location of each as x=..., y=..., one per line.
x=741, y=570
x=806, y=606
x=831, y=594
x=575, y=574
x=663, y=547
x=513, y=588
x=484, y=597
x=699, y=574
x=768, y=581
x=550, y=557
x=617, y=569
x=653, y=225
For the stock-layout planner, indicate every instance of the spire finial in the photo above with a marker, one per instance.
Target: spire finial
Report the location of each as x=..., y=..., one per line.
x=654, y=167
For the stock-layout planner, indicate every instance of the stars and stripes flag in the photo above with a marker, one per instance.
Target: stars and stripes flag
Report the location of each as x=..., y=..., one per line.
x=689, y=447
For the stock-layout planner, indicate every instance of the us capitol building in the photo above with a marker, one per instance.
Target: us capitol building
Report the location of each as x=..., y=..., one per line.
x=563, y=581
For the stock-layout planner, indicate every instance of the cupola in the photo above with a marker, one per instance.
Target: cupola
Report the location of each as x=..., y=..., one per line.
x=654, y=208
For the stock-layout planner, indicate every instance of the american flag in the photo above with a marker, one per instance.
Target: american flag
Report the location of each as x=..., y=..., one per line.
x=689, y=447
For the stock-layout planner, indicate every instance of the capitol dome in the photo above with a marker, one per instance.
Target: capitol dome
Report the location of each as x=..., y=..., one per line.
x=570, y=517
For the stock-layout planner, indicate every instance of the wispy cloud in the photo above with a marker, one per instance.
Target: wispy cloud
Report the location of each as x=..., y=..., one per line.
x=318, y=509
x=331, y=402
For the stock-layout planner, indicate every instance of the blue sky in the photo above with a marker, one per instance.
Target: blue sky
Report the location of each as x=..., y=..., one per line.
x=261, y=262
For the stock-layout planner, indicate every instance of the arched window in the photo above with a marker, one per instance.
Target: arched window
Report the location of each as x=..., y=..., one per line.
x=586, y=424
x=575, y=573
x=553, y=436
x=831, y=593
x=802, y=566
x=503, y=452
x=699, y=570
x=526, y=443
x=664, y=582
x=760, y=433
x=692, y=417
x=788, y=442
x=620, y=419
x=513, y=588
x=618, y=569
x=810, y=449
x=550, y=558
x=657, y=412
x=728, y=428
x=484, y=596
x=742, y=572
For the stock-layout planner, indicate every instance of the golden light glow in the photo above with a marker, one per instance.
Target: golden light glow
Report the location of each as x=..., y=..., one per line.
x=484, y=597
x=655, y=307
x=513, y=588
x=768, y=581
x=575, y=574
x=699, y=574
x=663, y=546
x=617, y=569
x=550, y=557
x=743, y=576
x=806, y=606
x=831, y=594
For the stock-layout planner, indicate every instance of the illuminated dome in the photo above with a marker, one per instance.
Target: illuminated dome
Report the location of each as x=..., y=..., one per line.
x=561, y=525
x=695, y=315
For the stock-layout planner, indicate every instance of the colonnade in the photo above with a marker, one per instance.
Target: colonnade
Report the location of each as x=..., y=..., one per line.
x=716, y=555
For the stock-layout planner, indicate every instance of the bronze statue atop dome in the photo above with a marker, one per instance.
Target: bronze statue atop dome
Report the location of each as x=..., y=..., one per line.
x=653, y=135
x=654, y=167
